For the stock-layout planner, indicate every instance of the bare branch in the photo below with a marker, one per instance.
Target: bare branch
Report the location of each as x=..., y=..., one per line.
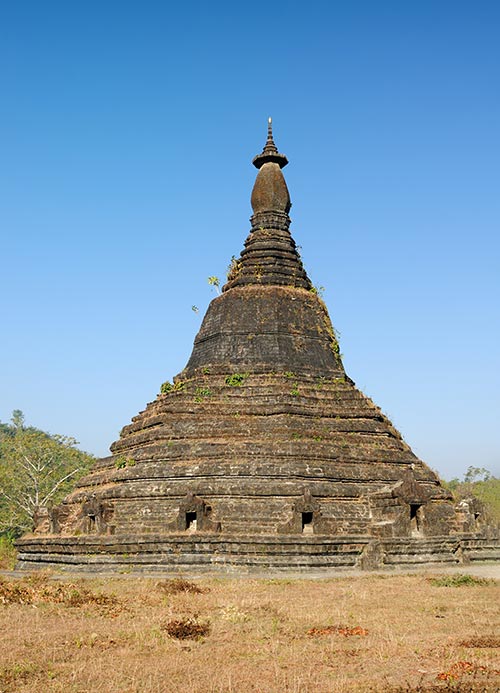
x=17, y=502
x=61, y=481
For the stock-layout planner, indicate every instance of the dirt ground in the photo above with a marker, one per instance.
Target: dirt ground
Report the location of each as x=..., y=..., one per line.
x=429, y=630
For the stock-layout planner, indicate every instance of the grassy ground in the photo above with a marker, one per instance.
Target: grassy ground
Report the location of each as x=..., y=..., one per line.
x=8, y=554
x=373, y=633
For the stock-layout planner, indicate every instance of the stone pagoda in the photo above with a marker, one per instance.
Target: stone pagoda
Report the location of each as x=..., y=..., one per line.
x=262, y=453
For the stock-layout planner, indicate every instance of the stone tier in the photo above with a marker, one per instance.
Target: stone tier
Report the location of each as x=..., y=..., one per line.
x=266, y=329
x=270, y=257
x=263, y=453
x=245, y=553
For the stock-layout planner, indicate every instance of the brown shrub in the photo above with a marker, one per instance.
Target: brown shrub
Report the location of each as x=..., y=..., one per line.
x=176, y=585
x=481, y=641
x=184, y=629
x=37, y=589
x=337, y=630
x=458, y=669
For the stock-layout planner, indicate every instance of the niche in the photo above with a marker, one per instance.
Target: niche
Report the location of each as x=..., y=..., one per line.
x=416, y=519
x=307, y=523
x=194, y=515
x=191, y=521
x=91, y=524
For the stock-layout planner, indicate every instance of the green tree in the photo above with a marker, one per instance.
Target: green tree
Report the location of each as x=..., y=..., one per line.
x=478, y=482
x=17, y=419
x=474, y=474
x=36, y=470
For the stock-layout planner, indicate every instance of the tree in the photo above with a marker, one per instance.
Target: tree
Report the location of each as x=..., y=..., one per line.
x=17, y=419
x=478, y=482
x=36, y=470
x=476, y=474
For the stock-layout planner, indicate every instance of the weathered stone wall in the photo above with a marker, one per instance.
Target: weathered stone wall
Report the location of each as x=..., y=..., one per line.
x=229, y=553
x=266, y=329
x=251, y=447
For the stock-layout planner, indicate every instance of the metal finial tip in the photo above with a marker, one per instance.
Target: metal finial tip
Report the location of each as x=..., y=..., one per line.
x=269, y=129
x=270, y=153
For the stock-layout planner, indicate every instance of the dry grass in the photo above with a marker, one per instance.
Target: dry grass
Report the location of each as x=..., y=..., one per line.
x=376, y=633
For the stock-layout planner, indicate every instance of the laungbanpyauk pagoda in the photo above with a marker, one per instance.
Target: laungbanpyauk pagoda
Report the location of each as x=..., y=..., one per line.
x=262, y=453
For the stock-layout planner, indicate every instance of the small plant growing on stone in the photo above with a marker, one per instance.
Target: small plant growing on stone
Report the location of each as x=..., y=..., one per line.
x=295, y=390
x=168, y=387
x=289, y=374
x=215, y=282
x=234, y=268
x=236, y=379
x=318, y=290
x=201, y=393
x=120, y=462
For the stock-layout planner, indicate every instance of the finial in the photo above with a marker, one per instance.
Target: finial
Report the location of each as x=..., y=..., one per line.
x=270, y=152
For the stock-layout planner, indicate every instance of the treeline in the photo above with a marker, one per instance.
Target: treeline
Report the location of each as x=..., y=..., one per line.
x=478, y=482
x=37, y=469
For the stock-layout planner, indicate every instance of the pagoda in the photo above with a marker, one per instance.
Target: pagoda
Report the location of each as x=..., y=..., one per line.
x=261, y=453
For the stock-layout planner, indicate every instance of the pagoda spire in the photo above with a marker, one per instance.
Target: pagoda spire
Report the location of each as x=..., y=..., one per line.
x=270, y=255
x=270, y=193
x=270, y=152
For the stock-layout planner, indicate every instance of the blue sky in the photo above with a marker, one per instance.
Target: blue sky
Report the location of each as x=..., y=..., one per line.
x=127, y=131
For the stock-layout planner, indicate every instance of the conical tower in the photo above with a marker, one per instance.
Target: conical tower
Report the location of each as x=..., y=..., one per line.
x=262, y=452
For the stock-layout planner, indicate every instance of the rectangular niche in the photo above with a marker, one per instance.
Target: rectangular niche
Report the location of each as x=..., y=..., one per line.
x=416, y=519
x=307, y=523
x=191, y=521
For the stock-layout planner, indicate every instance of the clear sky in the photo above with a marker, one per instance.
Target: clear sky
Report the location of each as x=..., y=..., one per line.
x=127, y=131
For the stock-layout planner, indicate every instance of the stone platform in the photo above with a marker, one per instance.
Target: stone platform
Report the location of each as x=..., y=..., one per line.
x=228, y=554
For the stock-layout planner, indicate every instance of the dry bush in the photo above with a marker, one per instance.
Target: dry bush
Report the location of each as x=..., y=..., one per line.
x=36, y=588
x=481, y=641
x=346, y=631
x=176, y=585
x=185, y=628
